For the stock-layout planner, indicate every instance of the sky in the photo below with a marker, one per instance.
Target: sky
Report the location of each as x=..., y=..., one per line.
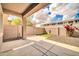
x=56, y=12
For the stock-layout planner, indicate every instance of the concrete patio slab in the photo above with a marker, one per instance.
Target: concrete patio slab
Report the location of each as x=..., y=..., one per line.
x=44, y=44
x=51, y=53
x=63, y=51
x=26, y=51
x=42, y=47
x=13, y=44
x=39, y=48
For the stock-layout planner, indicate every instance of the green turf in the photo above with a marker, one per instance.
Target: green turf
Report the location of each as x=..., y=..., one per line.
x=46, y=36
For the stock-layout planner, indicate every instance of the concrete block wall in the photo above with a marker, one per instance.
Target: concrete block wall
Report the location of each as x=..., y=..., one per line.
x=39, y=30
x=34, y=30
x=54, y=30
x=29, y=31
x=10, y=31
x=61, y=31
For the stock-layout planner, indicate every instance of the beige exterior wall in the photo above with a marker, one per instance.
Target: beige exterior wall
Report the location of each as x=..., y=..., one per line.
x=5, y=19
x=1, y=26
x=34, y=30
x=1, y=32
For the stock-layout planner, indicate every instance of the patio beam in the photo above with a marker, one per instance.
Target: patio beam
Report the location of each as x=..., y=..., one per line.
x=11, y=12
x=35, y=9
x=29, y=8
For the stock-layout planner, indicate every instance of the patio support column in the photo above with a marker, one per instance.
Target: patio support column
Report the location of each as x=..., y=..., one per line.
x=24, y=28
x=1, y=27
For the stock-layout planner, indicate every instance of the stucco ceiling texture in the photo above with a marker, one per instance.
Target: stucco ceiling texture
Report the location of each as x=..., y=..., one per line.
x=19, y=8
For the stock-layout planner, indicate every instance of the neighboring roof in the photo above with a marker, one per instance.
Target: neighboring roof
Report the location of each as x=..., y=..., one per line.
x=60, y=21
x=69, y=20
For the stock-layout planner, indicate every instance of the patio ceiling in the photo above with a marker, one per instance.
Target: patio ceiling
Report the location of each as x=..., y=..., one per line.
x=21, y=8
x=18, y=8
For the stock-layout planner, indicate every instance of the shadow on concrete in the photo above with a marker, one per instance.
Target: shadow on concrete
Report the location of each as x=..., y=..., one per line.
x=12, y=39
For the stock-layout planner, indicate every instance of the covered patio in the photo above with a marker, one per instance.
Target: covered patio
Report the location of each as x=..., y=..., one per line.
x=14, y=40
x=10, y=32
